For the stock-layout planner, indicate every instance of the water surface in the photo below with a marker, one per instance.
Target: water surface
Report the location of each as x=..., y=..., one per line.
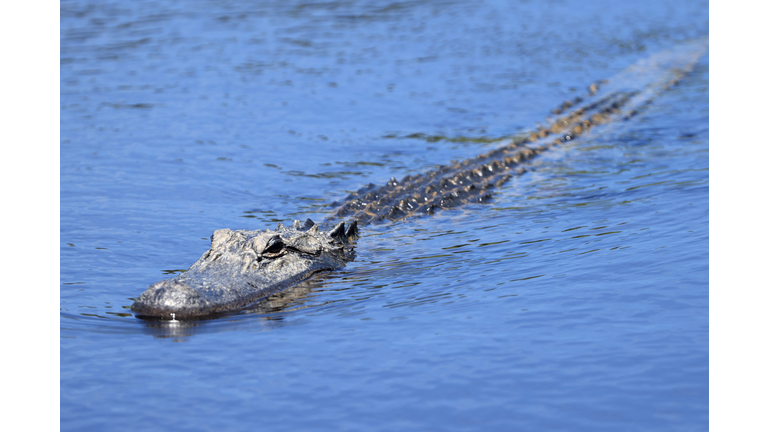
x=576, y=300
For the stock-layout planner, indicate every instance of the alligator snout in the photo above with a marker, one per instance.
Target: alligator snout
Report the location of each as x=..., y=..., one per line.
x=170, y=296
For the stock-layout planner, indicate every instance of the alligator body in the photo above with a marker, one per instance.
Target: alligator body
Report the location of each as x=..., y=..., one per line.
x=243, y=267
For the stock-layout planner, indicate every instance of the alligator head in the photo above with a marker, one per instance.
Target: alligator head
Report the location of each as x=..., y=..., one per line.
x=242, y=267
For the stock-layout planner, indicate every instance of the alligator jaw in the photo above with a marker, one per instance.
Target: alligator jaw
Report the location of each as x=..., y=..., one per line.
x=242, y=267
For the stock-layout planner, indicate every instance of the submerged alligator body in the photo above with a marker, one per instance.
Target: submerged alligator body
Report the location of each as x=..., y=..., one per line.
x=243, y=267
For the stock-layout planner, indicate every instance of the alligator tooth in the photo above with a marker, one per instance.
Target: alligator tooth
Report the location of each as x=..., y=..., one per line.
x=280, y=226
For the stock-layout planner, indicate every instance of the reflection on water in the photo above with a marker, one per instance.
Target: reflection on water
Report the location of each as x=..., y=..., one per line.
x=576, y=299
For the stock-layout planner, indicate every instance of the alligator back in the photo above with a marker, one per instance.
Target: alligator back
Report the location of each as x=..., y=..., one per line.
x=473, y=179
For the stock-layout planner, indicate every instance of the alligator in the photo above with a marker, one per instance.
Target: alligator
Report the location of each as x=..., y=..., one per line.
x=243, y=267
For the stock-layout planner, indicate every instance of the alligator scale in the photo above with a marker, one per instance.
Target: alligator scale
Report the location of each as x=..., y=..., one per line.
x=243, y=267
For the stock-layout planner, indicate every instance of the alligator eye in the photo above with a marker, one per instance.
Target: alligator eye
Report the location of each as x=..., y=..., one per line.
x=275, y=246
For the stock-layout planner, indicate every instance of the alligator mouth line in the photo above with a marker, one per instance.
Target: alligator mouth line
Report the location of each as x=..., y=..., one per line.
x=225, y=278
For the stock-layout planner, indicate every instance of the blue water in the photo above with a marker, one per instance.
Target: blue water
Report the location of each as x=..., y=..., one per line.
x=576, y=300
